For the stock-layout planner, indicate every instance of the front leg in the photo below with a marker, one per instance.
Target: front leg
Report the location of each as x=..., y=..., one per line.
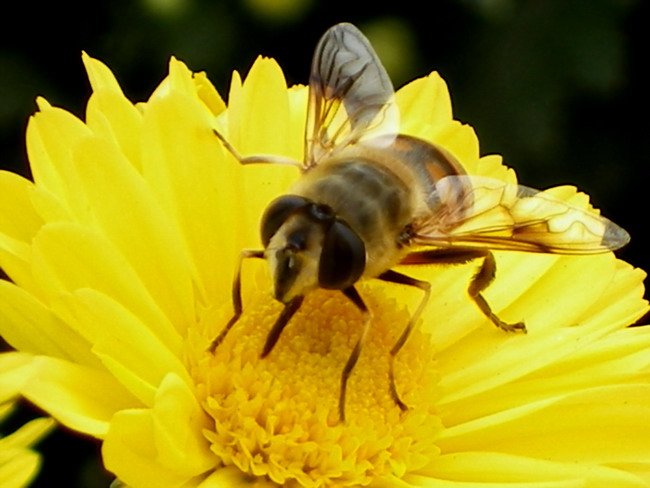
x=289, y=310
x=236, y=296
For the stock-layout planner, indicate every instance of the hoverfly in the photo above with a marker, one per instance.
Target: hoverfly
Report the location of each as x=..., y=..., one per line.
x=371, y=198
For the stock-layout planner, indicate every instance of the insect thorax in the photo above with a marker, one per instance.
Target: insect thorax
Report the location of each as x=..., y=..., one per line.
x=376, y=204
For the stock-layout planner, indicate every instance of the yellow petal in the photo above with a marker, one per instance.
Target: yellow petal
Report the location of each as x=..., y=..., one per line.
x=260, y=107
x=19, y=464
x=178, y=80
x=100, y=76
x=15, y=267
x=461, y=141
x=231, y=476
x=622, y=302
x=109, y=113
x=502, y=360
x=29, y=326
x=193, y=85
x=622, y=359
x=491, y=469
x=433, y=120
x=82, y=398
x=28, y=434
x=178, y=423
x=68, y=257
x=128, y=214
x=18, y=467
x=585, y=421
x=596, y=274
x=258, y=122
x=19, y=222
x=492, y=166
x=184, y=167
x=18, y=219
x=14, y=371
x=490, y=360
x=298, y=101
x=128, y=348
x=208, y=94
x=416, y=115
x=130, y=452
x=52, y=133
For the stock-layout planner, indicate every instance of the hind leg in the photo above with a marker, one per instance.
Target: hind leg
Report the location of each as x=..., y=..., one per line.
x=480, y=281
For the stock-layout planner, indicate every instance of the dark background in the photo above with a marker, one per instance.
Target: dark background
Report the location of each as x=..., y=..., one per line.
x=555, y=86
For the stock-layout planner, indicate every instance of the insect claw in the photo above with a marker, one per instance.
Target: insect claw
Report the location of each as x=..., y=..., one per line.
x=395, y=396
x=518, y=327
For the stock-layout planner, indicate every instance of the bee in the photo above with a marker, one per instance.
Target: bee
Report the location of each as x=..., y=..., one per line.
x=371, y=198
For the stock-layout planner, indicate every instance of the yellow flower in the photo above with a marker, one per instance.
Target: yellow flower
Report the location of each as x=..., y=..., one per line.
x=19, y=463
x=122, y=254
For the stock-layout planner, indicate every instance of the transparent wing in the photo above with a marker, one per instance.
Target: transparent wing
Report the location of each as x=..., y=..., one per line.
x=351, y=97
x=482, y=212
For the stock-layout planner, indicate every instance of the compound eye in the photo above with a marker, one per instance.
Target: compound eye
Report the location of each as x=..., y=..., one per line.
x=342, y=259
x=277, y=213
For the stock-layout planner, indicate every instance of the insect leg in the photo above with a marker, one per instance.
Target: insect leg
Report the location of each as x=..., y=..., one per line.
x=480, y=281
x=288, y=311
x=395, y=277
x=355, y=298
x=457, y=255
x=257, y=158
x=236, y=296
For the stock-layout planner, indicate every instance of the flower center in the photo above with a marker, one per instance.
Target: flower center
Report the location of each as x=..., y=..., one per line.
x=278, y=417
